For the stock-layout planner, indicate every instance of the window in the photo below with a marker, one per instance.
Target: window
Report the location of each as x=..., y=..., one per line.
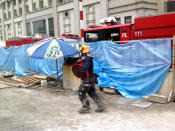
x=8, y=27
x=19, y=29
x=91, y=37
x=118, y=20
x=27, y=9
x=128, y=19
x=66, y=14
x=8, y=30
x=9, y=14
x=20, y=11
x=39, y=26
x=8, y=4
x=4, y=6
x=19, y=1
x=67, y=22
x=50, y=3
x=34, y=6
x=106, y=34
x=15, y=13
x=90, y=15
x=51, y=27
x=14, y=2
x=170, y=6
x=29, y=33
x=60, y=1
x=41, y=4
x=5, y=16
x=113, y=34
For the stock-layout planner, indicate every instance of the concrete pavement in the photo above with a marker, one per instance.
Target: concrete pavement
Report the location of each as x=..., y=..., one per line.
x=50, y=109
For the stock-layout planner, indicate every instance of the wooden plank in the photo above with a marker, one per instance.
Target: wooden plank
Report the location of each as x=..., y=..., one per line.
x=43, y=77
x=10, y=80
x=34, y=83
x=19, y=80
x=31, y=72
x=24, y=81
x=11, y=84
x=51, y=77
x=28, y=78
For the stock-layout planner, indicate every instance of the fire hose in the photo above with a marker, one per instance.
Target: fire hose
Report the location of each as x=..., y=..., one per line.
x=77, y=65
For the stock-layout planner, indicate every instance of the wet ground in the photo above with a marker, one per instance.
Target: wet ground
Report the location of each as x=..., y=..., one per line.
x=52, y=109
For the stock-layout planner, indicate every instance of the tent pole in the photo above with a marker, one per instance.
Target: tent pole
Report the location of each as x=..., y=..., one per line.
x=57, y=68
x=171, y=95
x=173, y=62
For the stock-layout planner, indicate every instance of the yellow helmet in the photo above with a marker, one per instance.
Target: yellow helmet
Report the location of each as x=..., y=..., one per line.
x=84, y=49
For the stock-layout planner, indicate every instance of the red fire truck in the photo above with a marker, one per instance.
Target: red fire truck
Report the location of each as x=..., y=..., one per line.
x=153, y=27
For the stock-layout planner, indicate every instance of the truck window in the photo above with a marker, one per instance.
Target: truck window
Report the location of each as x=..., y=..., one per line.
x=91, y=36
x=106, y=34
x=113, y=34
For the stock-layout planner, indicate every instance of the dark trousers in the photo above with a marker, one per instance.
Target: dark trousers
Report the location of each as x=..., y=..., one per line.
x=82, y=91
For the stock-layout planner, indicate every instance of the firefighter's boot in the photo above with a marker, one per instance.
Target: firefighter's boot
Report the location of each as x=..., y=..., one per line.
x=84, y=109
x=100, y=107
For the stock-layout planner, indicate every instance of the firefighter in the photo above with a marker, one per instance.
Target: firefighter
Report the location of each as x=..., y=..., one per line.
x=89, y=88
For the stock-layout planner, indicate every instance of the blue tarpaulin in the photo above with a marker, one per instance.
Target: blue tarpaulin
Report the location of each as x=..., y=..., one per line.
x=136, y=69
x=17, y=59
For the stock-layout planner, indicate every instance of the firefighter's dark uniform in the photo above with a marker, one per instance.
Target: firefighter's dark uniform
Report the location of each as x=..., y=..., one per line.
x=90, y=90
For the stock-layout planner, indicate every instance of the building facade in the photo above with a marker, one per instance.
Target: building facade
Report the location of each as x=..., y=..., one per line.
x=55, y=17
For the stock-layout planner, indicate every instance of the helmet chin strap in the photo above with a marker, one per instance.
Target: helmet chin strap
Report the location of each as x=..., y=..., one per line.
x=84, y=54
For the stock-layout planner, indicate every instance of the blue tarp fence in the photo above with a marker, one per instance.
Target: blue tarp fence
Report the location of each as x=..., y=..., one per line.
x=17, y=59
x=136, y=69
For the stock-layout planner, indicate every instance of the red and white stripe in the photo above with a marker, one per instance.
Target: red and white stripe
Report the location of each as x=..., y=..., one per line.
x=81, y=19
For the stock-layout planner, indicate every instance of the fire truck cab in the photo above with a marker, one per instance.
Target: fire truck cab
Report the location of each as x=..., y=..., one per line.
x=111, y=33
x=152, y=27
